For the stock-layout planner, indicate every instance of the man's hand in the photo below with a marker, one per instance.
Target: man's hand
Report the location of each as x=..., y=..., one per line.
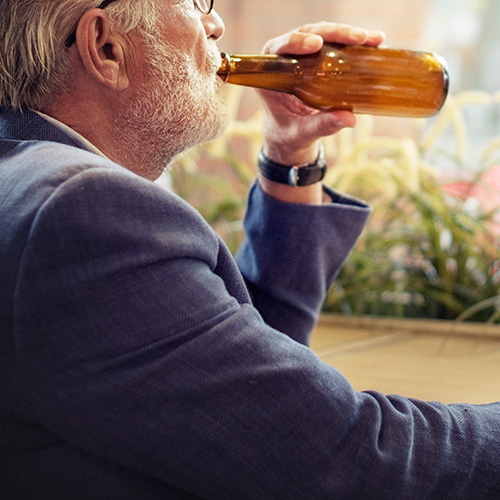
x=292, y=129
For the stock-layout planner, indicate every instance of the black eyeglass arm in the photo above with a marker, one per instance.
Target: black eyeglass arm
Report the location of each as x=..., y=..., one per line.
x=72, y=38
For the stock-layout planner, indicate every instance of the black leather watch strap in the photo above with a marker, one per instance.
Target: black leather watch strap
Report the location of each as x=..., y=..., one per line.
x=295, y=175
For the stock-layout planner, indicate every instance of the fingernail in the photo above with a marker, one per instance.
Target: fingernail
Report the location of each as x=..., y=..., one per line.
x=360, y=32
x=311, y=41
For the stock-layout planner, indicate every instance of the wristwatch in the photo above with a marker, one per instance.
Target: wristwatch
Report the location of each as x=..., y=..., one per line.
x=293, y=175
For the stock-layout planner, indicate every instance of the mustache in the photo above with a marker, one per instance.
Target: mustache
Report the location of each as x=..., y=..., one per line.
x=213, y=59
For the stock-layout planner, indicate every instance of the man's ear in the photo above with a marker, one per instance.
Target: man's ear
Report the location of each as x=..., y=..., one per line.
x=101, y=52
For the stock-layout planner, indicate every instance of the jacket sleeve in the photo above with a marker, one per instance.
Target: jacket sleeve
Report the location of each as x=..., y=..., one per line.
x=292, y=254
x=136, y=347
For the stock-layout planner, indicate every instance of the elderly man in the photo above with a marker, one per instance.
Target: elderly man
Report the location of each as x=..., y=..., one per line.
x=138, y=359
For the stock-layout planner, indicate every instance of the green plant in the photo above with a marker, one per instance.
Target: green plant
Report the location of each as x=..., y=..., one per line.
x=425, y=253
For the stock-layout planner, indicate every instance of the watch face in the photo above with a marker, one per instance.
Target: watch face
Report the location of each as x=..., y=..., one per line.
x=293, y=176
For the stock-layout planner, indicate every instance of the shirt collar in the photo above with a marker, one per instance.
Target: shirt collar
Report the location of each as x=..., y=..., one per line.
x=73, y=134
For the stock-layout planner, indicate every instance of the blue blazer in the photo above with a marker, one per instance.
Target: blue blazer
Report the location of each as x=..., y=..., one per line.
x=139, y=360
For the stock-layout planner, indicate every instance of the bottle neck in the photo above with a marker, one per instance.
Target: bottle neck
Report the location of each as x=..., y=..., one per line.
x=269, y=71
x=225, y=67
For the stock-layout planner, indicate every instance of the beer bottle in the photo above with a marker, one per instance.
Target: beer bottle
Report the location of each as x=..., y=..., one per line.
x=364, y=80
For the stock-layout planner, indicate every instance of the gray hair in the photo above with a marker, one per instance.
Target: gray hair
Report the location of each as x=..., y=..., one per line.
x=34, y=64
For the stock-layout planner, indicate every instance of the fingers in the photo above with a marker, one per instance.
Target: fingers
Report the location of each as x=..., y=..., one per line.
x=310, y=37
x=344, y=33
x=294, y=43
x=324, y=124
x=292, y=128
x=294, y=141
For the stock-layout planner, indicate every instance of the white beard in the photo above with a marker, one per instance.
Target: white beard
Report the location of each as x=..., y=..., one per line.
x=178, y=106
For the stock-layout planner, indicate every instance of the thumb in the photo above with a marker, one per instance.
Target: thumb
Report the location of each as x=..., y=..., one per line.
x=321, y=125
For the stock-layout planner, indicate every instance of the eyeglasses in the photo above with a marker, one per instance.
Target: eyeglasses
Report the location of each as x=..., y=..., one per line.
x=204, y=6
x=72, y=38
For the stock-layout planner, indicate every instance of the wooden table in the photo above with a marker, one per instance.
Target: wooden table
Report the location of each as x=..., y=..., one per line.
x=429, y=360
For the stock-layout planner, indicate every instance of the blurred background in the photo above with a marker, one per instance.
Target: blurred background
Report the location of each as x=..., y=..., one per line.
x=432, y=246
x=431, y=249
x=465, y=32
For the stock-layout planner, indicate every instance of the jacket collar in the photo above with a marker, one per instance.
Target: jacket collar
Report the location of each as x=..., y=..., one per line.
x=29, y=126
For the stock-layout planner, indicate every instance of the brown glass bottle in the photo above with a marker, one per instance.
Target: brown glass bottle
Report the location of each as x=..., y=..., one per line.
x=365, y=80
